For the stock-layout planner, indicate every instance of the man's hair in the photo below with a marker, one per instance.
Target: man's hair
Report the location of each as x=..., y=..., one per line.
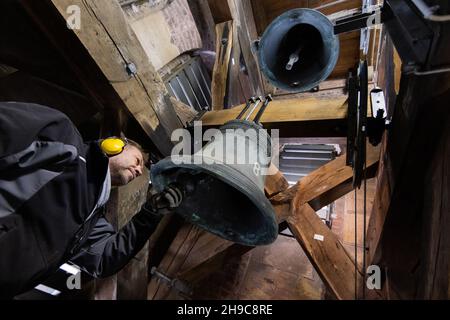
x=145, y=155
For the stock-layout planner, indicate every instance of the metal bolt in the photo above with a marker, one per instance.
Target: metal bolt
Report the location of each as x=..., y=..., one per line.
x=131, y=69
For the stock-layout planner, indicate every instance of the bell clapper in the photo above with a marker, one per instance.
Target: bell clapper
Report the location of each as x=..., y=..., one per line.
x=293, y=58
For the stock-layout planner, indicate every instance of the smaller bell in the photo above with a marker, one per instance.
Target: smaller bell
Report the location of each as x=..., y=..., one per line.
x=298, y=50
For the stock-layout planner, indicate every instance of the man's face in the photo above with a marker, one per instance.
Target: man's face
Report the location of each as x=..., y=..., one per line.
x=126, y=166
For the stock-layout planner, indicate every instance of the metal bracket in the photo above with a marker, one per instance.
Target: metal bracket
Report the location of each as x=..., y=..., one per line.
x=360, y=21
x=379, y=121
x=263, y=108
x=176, y=284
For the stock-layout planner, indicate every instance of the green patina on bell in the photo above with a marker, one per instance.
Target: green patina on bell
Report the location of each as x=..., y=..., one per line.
x=224, y=198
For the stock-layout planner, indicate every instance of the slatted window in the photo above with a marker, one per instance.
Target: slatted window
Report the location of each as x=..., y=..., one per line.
x=191, y=84
x=298, y=160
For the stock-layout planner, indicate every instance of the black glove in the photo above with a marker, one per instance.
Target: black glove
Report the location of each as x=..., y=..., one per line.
x=164, y=202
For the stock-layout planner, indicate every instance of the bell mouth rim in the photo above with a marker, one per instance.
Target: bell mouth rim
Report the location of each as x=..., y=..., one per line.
x=332, y=38
x=258, y=197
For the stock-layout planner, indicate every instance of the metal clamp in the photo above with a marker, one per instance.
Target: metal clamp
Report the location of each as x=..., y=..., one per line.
x=177, y=284
x=379, y=120
x=258, y=101
x=250, y=101
x=263, y=108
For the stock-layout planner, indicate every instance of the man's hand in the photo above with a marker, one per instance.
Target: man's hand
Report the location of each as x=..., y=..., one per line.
x=164, y=202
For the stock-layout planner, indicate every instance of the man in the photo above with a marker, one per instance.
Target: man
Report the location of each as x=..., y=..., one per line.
x=52, y=187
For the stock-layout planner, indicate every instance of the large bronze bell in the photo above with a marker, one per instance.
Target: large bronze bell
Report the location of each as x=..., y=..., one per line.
x=221, y=196
x=298, y=50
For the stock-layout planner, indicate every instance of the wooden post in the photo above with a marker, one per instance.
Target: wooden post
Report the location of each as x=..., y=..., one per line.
x=224, y=44
x=242, y=13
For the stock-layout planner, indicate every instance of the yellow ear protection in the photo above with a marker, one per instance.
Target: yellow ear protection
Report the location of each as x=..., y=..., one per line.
x=113, y=146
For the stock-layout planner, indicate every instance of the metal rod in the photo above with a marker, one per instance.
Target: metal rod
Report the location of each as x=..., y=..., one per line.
x=364, y=230
x=249, y=103
x=258, y=101
x=294, y=58
x=263, y=108
x=356, y=245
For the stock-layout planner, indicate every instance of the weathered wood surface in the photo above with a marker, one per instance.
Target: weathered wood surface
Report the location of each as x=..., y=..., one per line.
x=324, y=185
x=106, y=35
x=224, y=45
x=325, y=251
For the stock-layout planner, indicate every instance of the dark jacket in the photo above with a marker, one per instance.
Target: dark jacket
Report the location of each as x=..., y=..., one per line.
x=50, y=184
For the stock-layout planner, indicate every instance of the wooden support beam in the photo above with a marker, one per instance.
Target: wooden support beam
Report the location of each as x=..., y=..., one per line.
x=76, y=106
x=242, y=13
x=185, y=113
x=224, y=44
x=220, y=11
x=275, y=183
x=324, y=185
x=294, y=117
x=298, y=204
x=324, y=250
x=24, y=47
x=288, y=110
x=132, y=279
x=237, y=82
x=408, y=227
x=172, y=261
x=106, y=35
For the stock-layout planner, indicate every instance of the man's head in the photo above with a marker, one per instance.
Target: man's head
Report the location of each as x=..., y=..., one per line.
x=128, y=165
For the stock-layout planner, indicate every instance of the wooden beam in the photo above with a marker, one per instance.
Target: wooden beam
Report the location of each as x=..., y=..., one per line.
x=172, y=261
x=76, y=106
x=293, y=205
x=293, y=117
x=324, y=250
x=224, y=44
x=406, y=233
x=132, y=279
x=242, y=13
x=237, y=81
x=275, y=183
x=185, y=113
x=110, y=42
x=24, y=47
x=289, y=110
x=220, y=11
x=326, y=253
x=323, y=186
